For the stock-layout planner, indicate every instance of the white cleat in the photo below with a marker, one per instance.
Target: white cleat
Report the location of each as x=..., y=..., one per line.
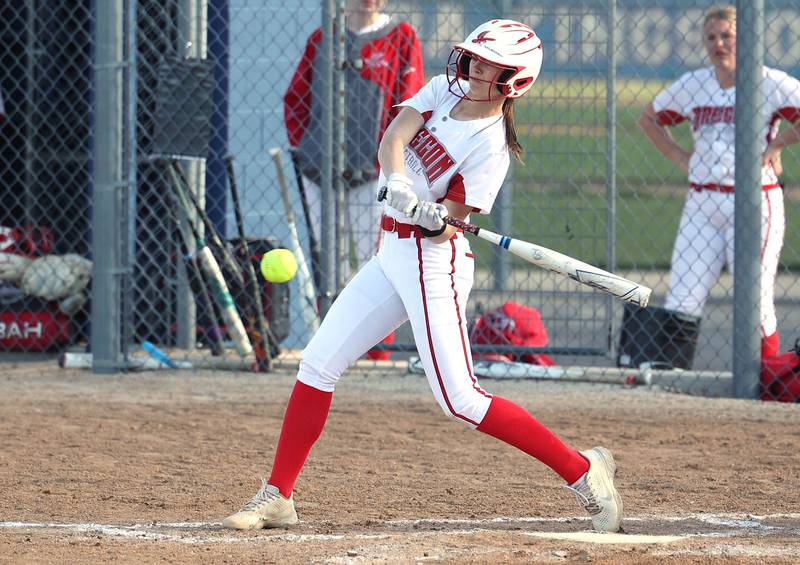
x=596, y=493
x=267, y=509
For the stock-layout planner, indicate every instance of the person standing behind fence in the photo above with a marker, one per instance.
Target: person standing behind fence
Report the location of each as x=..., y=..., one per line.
x=384, y=68
x=706, y=98
x=447, y=152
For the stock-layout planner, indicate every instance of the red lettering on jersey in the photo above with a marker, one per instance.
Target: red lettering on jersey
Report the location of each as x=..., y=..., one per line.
x=710, y=115
x=432, y=154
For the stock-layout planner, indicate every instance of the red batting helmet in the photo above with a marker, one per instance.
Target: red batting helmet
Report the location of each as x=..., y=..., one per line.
x=508, y=44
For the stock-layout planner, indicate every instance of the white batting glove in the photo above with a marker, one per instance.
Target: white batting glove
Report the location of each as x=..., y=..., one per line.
x=429, y=215
x=398, y=193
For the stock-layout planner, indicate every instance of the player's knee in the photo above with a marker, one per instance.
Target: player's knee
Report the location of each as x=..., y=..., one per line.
x=468, y=407
x=317, y=376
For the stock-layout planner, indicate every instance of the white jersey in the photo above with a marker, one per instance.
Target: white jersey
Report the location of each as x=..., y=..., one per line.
x=697, y=96
x=463, y=161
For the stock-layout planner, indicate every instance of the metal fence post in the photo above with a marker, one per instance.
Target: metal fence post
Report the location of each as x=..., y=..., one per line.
x=747, y=214
x=108, y=152
x=340, y=63
x=328, y=228
x=505, y=205
x=611, y=157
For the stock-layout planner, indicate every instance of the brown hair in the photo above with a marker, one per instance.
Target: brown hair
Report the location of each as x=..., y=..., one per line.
x=511, y=132
x=723, y=13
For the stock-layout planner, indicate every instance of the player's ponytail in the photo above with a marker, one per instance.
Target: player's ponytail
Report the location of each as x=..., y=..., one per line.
x=511, y=132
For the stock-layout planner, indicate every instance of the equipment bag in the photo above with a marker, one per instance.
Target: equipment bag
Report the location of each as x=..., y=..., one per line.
x=30, y=324
x=780, y=376
x=663, y=338
x=511, y=324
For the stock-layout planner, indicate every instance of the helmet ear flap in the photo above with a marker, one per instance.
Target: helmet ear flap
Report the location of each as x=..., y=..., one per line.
x=502, y=79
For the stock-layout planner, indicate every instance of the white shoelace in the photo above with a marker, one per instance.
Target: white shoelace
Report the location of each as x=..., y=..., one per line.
x=584, y=495
x=261, y=497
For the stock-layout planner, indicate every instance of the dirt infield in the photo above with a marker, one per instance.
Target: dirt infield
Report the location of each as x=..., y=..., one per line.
x=142, y=467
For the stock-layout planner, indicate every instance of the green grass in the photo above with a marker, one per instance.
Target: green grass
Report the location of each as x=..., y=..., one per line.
x=559, y=195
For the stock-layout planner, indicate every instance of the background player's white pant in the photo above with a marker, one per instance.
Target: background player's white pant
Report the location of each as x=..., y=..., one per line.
x=362, y=216
x=705, y=243
x=412, y=279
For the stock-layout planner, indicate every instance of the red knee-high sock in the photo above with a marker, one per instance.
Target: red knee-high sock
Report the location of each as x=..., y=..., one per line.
x=514, y=425
x=305, y=417
x=770, y=345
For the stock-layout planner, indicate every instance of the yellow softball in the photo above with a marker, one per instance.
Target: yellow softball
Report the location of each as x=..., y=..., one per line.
x=278, y=265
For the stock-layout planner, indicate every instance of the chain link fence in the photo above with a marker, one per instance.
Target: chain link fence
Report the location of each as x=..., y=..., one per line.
x=119, y=116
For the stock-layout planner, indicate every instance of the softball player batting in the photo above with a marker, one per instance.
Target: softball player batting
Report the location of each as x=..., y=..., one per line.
x=707, y=97
x=447, y=152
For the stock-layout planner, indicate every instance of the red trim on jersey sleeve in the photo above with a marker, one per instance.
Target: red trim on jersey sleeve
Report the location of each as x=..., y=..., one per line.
x=790, y=114
x=455, y=189
x=457, y=192
x=669, y=117
x=297, y=100
x=427, y=115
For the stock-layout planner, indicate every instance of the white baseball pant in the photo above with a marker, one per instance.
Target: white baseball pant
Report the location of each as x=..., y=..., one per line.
x=705, y=243
x=409, y=279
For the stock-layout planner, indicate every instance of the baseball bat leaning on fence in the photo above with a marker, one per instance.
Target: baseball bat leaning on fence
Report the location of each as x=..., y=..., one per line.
x=205, y=315
x=221, y=293
x=257, y=325
x=225, y=257
x=556, y=262
x=313, y=243
x=310, y=310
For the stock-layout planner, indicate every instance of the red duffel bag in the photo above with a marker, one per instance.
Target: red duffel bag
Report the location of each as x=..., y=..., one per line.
x=780, y=376
x=511, y=324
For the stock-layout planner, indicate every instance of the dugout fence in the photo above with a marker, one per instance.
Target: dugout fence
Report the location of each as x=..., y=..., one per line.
x=85, y=86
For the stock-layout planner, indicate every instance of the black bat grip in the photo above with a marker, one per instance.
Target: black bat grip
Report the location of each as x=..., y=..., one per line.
x=382, y=193
x=463, y=226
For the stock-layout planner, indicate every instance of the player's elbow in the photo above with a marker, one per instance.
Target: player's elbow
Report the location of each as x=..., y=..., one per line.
x=648, y=120
x=644, y=121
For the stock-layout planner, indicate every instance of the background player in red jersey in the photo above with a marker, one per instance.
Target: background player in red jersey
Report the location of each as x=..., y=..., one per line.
x=384, y=68
x=706, y=98
x=447, y=152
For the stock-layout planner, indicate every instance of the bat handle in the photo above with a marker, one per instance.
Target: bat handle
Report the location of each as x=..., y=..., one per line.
x=462, y=225
x=382, y=193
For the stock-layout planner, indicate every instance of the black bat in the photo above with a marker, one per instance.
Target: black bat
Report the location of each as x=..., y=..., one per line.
x=259, y=333
x=313, y=244
x=205, y=314
x=224, y=256
x=208, y=262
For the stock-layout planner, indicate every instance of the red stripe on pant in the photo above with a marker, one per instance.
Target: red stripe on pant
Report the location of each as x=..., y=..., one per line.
x=430, y=341
x=464, y=340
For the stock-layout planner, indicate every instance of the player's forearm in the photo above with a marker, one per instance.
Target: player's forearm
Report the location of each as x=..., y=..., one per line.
x=789, y=136
x=390, y=154
x=661, y=138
